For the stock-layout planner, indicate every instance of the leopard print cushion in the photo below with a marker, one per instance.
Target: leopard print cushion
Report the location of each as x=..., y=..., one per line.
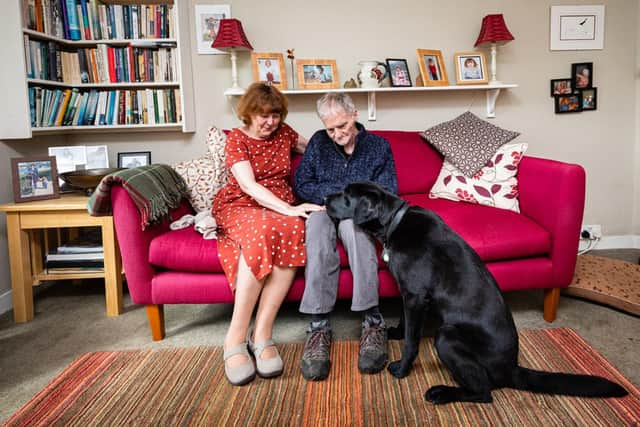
x=206, y=175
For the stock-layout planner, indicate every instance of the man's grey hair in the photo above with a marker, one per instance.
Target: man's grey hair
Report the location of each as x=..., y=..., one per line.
x=334, y=102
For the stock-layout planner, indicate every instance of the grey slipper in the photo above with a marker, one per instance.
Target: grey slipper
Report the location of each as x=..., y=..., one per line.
x=241, y=374
x=267, y=368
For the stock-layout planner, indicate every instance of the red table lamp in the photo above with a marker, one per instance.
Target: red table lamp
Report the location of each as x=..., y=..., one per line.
x=493, y=30
x=231, y=38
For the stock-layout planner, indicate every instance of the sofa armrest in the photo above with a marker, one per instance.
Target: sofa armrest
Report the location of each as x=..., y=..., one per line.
x=552, y=193
x=134, y=242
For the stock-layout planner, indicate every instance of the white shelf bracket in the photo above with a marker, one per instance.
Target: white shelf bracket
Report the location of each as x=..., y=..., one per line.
x=371, y=106
x=492, y=96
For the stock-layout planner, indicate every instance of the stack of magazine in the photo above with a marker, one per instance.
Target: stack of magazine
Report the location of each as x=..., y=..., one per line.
x=81, y=255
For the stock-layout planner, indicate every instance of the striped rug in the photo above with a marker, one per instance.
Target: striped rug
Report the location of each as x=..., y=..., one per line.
x=186, y=386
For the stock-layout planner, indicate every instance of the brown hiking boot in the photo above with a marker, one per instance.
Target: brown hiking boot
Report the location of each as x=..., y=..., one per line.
x=373, y=353
x=315, y=361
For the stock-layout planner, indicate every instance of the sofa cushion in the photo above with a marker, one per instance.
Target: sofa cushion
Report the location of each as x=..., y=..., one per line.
x=496, y=234
x=185, y=250
x=468, y=141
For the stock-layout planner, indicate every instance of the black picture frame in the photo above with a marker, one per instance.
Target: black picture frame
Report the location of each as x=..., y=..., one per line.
x=571, y=103
x=134, y=159
x=34, y=178
x=589, y=99
x=404, y=78
x=561, y=86
x=581, y=75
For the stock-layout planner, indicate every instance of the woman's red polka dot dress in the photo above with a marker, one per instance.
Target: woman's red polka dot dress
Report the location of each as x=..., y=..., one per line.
x=266, y=238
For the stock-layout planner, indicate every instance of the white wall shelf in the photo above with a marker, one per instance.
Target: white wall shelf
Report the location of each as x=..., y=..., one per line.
x=491, y=91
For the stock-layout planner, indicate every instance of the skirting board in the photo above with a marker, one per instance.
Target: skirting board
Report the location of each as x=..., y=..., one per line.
x=607, y=242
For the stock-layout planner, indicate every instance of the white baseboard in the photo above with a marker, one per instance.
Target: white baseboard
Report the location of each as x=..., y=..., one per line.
x=5, y=302
x=614, y=242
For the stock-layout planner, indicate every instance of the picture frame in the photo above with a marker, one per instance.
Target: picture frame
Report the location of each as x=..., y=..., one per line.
x=317, y=74
x=134, y=159
x=432, y=69
x=34, y=178
x=581, y=75
x=399, y=75
x=208, y=18
x=577, y=27
x=571, y=103
x=269, y=67
x=561, y=86
x=589, y=99
x=471, y=68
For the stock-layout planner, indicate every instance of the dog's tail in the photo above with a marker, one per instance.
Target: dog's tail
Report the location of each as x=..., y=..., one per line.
x=566, y=384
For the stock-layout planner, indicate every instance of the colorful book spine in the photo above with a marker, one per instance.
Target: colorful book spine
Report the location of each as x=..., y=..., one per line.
x=73, y=22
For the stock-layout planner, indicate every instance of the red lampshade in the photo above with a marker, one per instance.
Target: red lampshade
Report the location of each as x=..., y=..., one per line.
x=231, y=36
x=493, y=29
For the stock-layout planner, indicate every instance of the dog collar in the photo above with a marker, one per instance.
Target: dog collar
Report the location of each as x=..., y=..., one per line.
x=392, y=227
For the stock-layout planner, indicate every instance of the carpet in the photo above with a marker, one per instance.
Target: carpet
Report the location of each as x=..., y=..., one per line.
x=169, y=387
x=608, y=281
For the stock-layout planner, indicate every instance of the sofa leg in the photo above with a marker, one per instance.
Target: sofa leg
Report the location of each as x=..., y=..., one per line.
x=155, y=313
x=551, y=299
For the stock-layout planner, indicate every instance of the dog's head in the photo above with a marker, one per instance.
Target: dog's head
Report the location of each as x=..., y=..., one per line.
x=370, y=206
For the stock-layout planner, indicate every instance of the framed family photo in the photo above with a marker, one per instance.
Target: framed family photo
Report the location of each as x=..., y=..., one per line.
x=471, y=68
x=317, y=74
x=561, y=87
x=269, y=68
x=582, y=75
x=432, y=68
x=589, y=99
x=134, y=159
x=571, y=103
x=208, y=18
x=34, y=178
x=577, y=27
x=398, y=72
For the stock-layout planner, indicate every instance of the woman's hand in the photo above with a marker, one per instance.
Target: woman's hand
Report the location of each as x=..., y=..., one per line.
x=304, y=210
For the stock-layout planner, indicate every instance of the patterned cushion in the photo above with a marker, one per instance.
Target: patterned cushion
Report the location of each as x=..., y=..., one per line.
x=467, y=141
x=207, y=174
x=494, y=185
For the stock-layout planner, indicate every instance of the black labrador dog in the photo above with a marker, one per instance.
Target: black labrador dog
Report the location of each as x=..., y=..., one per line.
x=437, y=271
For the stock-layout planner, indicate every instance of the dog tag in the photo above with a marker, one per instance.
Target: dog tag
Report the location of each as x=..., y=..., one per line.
x=385, y=254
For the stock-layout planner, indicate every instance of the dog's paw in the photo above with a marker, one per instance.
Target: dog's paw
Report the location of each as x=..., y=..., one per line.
x=439, y=395
x=396, y=369
x=395, y=333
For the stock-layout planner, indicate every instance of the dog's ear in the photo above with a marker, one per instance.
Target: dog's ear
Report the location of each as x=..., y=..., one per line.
x=366, y=215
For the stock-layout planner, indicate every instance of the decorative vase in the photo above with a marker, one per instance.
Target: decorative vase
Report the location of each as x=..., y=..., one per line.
x=371, y=74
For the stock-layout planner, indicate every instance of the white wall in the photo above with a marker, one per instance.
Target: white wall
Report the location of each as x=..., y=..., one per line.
x=605, y=141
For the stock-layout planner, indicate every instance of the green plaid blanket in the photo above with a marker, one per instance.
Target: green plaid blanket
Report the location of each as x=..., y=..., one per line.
x=155, y=190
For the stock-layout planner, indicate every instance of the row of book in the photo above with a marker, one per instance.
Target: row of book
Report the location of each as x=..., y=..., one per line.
x=93, y=20
x=102, y=64
x=80, y=255
x=70, y=107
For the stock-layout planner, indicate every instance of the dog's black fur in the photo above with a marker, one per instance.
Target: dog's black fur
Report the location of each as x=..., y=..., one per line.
x=437, y=271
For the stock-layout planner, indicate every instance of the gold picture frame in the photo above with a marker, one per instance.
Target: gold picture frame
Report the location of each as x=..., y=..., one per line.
x=269, y=67
x=432, y=69
x=471, y=68
x=317, y=74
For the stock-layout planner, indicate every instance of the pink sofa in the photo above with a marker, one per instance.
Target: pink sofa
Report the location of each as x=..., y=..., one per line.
x=535, y=249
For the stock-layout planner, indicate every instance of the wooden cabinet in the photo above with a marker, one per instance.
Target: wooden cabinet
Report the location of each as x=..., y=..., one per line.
x=138, y=80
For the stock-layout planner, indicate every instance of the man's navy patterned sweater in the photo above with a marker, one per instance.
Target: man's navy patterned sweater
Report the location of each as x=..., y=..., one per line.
x=325, y=168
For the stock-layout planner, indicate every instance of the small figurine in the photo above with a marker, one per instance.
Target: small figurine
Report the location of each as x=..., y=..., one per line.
x=350, y=84
x=291, y=58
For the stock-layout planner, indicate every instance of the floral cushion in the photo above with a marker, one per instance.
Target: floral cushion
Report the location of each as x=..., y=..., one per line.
x=206, y=175
x=496, y=184
x=467, y=141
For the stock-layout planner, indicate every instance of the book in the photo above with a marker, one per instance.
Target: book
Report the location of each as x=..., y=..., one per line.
x=74, y=263
x=72, y=18
x=79, y=256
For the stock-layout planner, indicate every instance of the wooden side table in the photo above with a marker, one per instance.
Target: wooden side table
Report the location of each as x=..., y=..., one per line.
x=25, y=249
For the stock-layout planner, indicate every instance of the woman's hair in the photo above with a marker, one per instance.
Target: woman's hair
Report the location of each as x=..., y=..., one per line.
x=261, y=98
x=333, y=102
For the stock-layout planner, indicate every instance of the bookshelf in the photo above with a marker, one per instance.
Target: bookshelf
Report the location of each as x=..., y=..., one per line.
x=113, y=75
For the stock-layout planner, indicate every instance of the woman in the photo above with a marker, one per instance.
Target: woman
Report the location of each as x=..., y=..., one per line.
x=261, y=238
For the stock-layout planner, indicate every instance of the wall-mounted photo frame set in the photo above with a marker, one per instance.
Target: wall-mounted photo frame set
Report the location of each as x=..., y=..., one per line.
x=561, y=87
x=571, y=103
x=398, y=72
x=34, y=178
x=432, y=69
x=134, y=159
x=317, y=74
x=581, y=75
x=589, y=99
x=269, y=68
x=471, y=68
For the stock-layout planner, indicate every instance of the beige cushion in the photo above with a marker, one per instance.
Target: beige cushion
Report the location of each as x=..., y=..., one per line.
x=467, y=141
x=496, y=184
x=206, y=175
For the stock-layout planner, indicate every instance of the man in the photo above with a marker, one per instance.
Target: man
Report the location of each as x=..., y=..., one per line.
x=342, y=153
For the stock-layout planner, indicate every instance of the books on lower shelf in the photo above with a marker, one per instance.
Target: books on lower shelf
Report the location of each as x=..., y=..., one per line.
x=81, y=255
